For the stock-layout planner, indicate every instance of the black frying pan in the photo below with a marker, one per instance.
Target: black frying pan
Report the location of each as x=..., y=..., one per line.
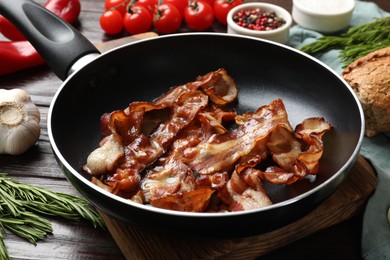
x=144, y=70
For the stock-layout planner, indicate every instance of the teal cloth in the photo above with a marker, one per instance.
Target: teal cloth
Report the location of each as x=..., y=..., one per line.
x=376, y=228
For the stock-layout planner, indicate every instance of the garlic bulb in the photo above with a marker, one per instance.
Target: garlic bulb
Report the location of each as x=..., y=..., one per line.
x=19, y=122
x=388, y=215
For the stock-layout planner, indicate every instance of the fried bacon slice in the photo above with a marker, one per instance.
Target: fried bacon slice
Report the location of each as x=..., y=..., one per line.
x=170, y=177
x=221, y=151
x=244, y=192
x=218, y=85
x=298, y=153
x=190, y=201
x=105, y=158
x=143, y=151
x=189, y=151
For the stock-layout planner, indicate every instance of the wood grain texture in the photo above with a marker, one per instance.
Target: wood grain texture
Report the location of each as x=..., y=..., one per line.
x=106, y=46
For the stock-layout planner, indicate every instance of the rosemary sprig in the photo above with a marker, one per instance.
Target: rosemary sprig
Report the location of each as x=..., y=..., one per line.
x=28, y=226
x=3, y=250
x=19, y=202
x=46, y=202
x=356, y=42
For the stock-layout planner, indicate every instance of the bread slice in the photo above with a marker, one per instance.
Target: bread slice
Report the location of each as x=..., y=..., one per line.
x=369, y=77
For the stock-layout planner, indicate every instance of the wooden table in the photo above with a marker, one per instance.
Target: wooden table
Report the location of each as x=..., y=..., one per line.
x=78, y=240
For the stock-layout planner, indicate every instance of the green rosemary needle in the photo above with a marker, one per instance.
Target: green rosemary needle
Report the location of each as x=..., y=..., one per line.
x=45, y=202
x=22, y=204
x=28, y=226
x=3, y=250
x=356, y=42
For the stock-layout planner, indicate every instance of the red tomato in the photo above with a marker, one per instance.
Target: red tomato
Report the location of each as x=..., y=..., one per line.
x=180, y=4
x=111, y=22
x=167, y=19
x=150, y=5
x=222, y=8
x=199, y=16
x=119, y=5
x=137, y=20
x=210, y=2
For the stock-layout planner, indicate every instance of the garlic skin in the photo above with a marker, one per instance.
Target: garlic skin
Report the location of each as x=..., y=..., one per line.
x=388, y=215
x=19, y=122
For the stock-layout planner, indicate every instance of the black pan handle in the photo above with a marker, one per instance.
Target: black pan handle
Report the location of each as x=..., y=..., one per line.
x=60, y=44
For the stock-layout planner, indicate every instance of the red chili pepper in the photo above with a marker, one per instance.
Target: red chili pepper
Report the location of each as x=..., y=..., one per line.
x=68, y=10
x=19, y=54
x=9, y=30
x=16, y=56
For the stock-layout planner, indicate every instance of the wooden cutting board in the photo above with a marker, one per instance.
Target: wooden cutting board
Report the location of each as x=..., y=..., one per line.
x=341, y=205
x=106, y=46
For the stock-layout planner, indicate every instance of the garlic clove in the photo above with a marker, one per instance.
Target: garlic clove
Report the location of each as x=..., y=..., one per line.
x=388, y=215
x=19, y=122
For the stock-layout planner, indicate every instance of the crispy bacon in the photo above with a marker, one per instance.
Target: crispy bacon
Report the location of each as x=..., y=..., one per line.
x=170, y=176
x=191, y=201
x=167, y=179
x=245, y=192
x=221, y=151
x=189, y=151
x=259, y=153
x=143, y=151
x=297, y=154
x=311, y=131
x=218, y=85
x=104, y=159
x=285, y=148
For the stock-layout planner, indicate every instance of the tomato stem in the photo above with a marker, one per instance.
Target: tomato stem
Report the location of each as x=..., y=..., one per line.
x=193, y=4
x=125, y=2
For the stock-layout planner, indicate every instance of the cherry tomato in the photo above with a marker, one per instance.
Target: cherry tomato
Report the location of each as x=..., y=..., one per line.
x=199, y=16
x=167, y=19
x=222, y=8
x=111, y=22
x=150, y=5
x=180, y=4
x=137, y=20
x=210, y=2
x=119, y=5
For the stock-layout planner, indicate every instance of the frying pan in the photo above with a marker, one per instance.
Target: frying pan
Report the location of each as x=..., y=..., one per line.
x=97, y=83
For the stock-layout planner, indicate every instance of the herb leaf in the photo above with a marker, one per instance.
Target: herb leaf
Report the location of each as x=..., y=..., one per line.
x=356, y=42
x=19, y=202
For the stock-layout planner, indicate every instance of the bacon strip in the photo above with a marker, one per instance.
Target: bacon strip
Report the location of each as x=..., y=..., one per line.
x=297, y=155
x=221, y=151
x=170, y=177
x=104, y=159
x=144, y=151
x=190, y=201
x=218, y=85
x=245, y=192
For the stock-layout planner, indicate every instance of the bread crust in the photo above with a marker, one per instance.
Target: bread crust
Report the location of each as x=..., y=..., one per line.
x=369, y=77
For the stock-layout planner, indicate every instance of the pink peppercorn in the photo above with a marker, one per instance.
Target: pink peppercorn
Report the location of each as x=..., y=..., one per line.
x=257, y=19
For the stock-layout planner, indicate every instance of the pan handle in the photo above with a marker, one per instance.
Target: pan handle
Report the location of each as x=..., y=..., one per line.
x=60, y=44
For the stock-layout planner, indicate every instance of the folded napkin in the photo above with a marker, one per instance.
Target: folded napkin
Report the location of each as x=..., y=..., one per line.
x=376, y=227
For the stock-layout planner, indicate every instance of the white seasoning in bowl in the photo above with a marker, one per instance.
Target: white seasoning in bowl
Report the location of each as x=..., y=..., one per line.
x=326, y=16
x=326, y=6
